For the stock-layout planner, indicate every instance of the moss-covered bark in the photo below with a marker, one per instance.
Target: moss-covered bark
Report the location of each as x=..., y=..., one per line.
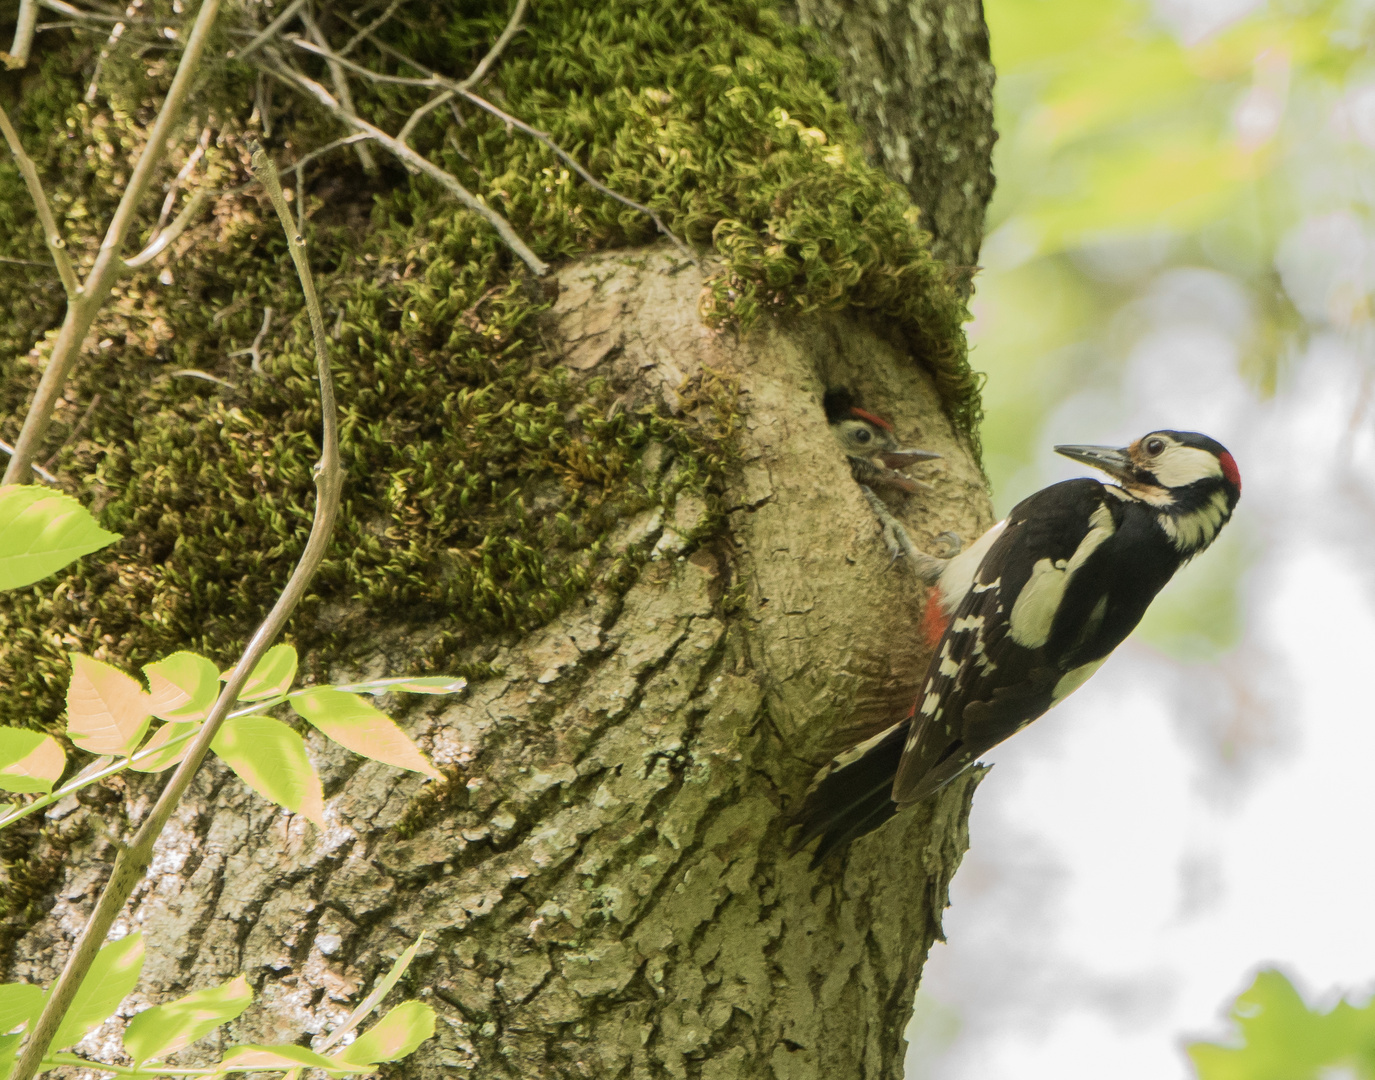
x=612, y=503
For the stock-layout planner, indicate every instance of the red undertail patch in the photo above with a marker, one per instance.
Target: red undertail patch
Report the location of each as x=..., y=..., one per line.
x=933, y=619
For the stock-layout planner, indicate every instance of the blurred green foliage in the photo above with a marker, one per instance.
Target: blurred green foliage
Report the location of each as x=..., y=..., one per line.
x=1280, y=1038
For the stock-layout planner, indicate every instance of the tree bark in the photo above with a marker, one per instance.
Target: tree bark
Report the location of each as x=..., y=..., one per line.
x=606, y=887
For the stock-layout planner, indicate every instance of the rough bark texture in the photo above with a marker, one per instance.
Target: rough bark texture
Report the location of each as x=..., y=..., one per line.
x=605, y=887
x=918, y=79
x=610, y=893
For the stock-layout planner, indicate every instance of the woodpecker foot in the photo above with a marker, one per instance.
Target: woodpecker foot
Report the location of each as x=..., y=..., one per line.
x=948, y=545
x=899, y=544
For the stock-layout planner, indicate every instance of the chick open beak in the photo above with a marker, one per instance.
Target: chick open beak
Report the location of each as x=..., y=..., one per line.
x=1116, y=463
x=900, y=459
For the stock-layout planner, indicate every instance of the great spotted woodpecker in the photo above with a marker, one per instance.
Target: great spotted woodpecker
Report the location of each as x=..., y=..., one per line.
x=1026, y=614
x=871, y=445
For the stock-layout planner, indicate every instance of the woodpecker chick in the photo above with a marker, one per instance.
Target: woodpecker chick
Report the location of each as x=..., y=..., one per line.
x=1027, y=614
x=871, y=446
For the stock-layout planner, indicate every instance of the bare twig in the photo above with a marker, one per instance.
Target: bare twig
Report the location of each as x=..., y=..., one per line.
x=18, y=56
x=75, y=432
x=56, y=245
x=132, y=863
x=76, y=12
x=82, y=310
x=185, y=171
x=270, y=31
x=195, y=373
x=462, y=89
x=341, y=84
x=367, y=31
x=37, y=468
x=116, y=32
x=415, y=161
x=571, y=162
x=252, y=350
x=169, y=235
x=347, y=140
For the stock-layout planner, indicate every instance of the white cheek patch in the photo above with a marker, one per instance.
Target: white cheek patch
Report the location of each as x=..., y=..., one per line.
x=958, y=577
x=1193, y=532
x=1034, y=612
x=1071, y=680
x=1180, y=466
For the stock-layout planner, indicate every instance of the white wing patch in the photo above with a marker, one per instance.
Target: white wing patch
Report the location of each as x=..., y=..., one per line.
x=1071, y=680
x=1034, y=611
x=958, y=576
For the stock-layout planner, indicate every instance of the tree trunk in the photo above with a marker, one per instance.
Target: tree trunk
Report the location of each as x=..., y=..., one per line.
x=605, y=886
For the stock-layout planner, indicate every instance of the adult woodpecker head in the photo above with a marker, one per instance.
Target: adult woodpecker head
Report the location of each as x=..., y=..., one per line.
x=1191, y=480
x=1027, y=613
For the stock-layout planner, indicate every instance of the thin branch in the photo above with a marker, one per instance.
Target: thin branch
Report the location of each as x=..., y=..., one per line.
x=75, y=432
x=202, y=144
x=132, y=863
x=347, y=140
x=18, y=56
x=116, y=32
x=367, y=31
x=169, y=235
x=485, y=64
x=269, y=32
x=37, y=468
x=571, y=162
x=56, y=245
x=416, y=161
x=82, y=310
x=76, y=12
x=341, y=83
x=462, y=89
x=257, y=362
x=195, y=373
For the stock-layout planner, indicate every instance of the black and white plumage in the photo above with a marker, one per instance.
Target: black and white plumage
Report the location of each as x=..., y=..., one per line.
x=1027, y=614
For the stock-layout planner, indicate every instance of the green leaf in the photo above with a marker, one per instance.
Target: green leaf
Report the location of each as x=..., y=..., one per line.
x=379, y=992
x=271, y=759
x=165, y=1029
x=182, y=686
x=29, y=761
x=9, y=1050
x=252, y=1058
x=42, y=531
x=353, y=723
x=19, y=1004
x=107, y=710
x=165, y=759
x=429, y=684
x=272, y=677
x=394, y=1036
x=112, y=977
x=1282, y=1039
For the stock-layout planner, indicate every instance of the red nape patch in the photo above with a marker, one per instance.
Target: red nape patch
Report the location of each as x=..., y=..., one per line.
x=1230, y=471
x=876, y=420
x=933, y=619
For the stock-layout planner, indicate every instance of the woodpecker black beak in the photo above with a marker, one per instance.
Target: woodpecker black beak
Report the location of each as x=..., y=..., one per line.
x=1116, y=463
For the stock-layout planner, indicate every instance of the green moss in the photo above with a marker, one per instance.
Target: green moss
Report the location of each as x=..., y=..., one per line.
x=483, y=480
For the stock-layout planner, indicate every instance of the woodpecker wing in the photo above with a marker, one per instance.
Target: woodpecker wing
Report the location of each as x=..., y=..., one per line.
x=1004, y=657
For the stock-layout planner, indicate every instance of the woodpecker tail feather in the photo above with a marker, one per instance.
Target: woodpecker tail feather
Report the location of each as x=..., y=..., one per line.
x=852, y=795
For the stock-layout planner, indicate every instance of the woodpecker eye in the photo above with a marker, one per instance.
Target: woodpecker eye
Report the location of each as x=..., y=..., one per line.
x=863, y=435
x=1154, y=446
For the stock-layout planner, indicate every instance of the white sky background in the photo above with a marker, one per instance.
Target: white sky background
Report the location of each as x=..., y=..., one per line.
x=1140, y=852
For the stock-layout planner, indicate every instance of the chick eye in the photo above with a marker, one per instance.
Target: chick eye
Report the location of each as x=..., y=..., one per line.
x=1154, y=446
x=863, y=435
